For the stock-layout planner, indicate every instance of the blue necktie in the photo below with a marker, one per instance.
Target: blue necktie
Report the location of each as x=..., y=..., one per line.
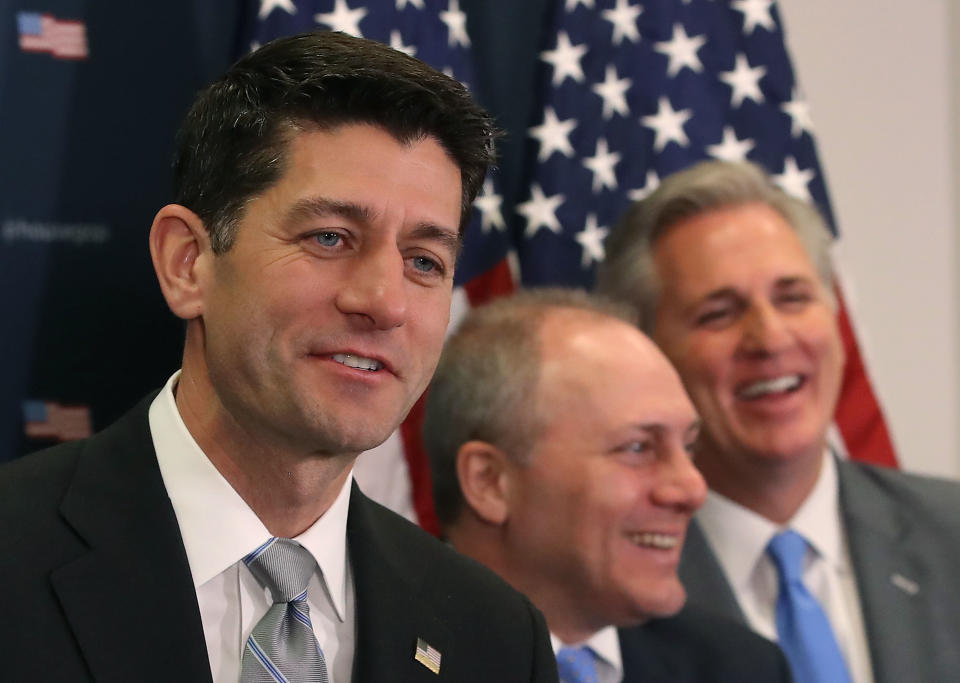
x=804, y=631
x=576, y=665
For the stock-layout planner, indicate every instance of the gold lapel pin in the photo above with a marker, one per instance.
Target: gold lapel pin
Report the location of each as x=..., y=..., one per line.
x=428, y=655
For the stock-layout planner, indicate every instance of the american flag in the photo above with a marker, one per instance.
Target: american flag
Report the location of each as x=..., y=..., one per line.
x=61, y=38
x=435, y=31
x=428, y=655
x=632, y=91
x=49, y=420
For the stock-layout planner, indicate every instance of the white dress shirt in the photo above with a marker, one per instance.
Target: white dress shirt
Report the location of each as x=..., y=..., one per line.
x=739, y=538
x=605, y=644
x=218, y=529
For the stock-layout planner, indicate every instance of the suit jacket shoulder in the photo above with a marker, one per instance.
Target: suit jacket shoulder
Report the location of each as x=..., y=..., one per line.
x=411, y=586
x=93, y=570
x=696, y=646
x=904, y=536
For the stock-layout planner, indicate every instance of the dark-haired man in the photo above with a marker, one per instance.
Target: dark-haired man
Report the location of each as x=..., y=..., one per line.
x=214, y=531
x=558, y=437
x=852, y=568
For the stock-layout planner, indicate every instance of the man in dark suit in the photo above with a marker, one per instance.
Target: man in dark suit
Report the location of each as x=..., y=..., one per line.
x=558, y=438
x=732, y=278
x=323, y=187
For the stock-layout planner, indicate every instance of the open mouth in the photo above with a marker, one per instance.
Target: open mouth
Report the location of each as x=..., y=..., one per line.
x=358, y=362
x=785, y=384
x=650, y=539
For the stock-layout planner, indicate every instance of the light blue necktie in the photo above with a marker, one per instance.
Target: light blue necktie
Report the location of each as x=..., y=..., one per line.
x=282, y=647
x=804, y=631
x=576, y=665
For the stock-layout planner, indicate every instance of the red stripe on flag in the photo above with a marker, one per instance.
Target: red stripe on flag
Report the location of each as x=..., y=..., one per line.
x=498, y=281
x=858, y=415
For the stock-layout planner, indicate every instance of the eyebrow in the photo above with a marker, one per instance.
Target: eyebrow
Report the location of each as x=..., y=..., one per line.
x=323, y=207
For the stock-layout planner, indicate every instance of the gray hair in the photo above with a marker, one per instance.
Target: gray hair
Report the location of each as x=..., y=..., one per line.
x=629, y=273
x=485, y=385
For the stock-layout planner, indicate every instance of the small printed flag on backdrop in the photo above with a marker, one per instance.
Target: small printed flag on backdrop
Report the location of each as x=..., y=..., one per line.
x=61, y=38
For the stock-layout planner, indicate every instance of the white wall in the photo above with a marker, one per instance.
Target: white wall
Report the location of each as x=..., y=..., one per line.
x=880, y=80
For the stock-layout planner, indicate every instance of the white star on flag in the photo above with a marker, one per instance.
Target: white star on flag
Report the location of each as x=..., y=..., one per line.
x=396, y=42
x=403, y=3
x=731, y=148
x=744, y=80
x=565, y=59
x=681, y=50
x=624, y=19
x=651, y=184
x=342, y=18
x=572, y=4
x=456, y=22
x=755, y=13
x=267, y=6
x=799, y=112
x=793, y=181
x=553, y=135
x=601, y=164
x=488, y=203
x=613, y=90
x=668, y=125
x=591, y=241
x=541, y=211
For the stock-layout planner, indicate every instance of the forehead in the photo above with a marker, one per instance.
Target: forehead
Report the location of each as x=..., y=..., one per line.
x=732, y=246
x=604, y=372
x=361, y=160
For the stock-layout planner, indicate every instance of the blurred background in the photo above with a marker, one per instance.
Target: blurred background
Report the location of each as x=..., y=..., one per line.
x=91, y=94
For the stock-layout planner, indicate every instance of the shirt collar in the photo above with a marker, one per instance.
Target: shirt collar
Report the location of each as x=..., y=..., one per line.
x=605, y=644
x=217, y=526
x=739, y=536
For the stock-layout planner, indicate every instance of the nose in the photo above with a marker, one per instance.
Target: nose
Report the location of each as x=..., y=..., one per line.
x=765, y=331
x=374, y=288
x=680, y=484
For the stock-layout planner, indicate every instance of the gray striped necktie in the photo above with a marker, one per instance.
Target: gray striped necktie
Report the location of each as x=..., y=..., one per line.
x=282, y=647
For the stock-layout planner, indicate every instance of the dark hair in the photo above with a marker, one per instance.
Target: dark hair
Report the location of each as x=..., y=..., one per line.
x=231, y=146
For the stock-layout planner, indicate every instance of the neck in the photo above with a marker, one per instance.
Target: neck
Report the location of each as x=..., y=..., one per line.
x=483, y=542
x=774, y=488
x=287, y=489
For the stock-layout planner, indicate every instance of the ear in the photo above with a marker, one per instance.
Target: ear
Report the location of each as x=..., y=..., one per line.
x=482, y=471
x=179, y=245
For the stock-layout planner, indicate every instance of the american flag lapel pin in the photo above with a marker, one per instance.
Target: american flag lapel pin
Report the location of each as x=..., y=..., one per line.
x=427, y=655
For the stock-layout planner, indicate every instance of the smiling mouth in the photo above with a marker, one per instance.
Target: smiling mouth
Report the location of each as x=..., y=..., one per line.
x=649, y=539
x=785, y=384
x=358, y=362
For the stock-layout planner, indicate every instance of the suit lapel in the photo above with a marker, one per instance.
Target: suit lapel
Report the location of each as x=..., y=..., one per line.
x=892, y=575
x=390, y=616
x=703, y=577
x=129, y=600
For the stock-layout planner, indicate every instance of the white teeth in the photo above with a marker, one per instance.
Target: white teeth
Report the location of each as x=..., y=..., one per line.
x=653, y=540
x=358, y=362
x=770, y=386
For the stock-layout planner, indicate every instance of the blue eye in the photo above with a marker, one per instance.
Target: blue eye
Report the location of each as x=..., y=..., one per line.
x=327, y=239
x=425, y=265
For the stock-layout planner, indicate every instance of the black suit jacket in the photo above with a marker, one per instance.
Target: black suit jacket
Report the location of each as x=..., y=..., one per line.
x=96, y=584
x=695, y=647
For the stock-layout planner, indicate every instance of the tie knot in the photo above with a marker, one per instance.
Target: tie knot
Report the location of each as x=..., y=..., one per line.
x=787, y=549
x=283, y=566
x=576, y=665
